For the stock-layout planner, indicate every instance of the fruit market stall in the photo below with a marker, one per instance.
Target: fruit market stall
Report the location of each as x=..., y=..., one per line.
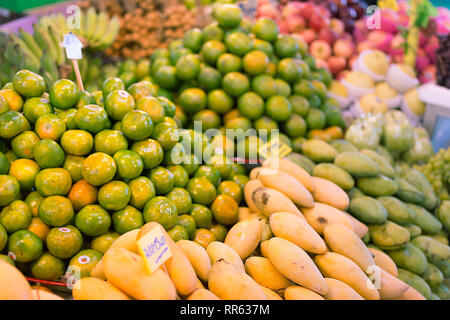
x=206, y=151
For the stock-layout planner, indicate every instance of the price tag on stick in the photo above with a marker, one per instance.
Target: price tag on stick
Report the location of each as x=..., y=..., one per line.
x=73, y=47
x=154, y=248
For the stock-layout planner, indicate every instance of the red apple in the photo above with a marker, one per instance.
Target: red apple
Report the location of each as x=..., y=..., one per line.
x=337, y=26
x=344, y=48
x=317, y=22
x=336, y=64
x=346, y=36
x=320, y=49
x=309, y=35
x=307, y=10
x=352, y=61
x=328, y=35
x=295, y=23
x=320, y=63
x=365, y=45
x=323, y=11
x=396, y=46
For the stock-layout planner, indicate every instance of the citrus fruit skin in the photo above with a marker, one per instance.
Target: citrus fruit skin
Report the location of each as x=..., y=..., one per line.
x=208, y=118
x=192, y=100
x=82, y=194
x=251, y=105
x=255, y=62
x=99, y=168
x=77, y=142
x=118, y=103
x=283, y=88
x=103, y=242
x=114, y=195
x=28, y=84
x=166, y=77
x=224, y=209
x=3, y=105
x=315, y=119
x=12, y=123
x=54, y=181
x=300, y=105
x=264, y=85
x=39, y=228
x=219, y=231
x=289, y=70
x=56, y=211
x=142, y=190
x=193, y=39
x=84, y=261
x=238, y=43
x=201, y=190
x=265, y=29
x=3, y=237
x=91, y=118
x=14, y=100
x=181, y=199
x=180, y=176
x=162, y=179
x=137, y=125
x=25, y=245
x=64, y=242
x=227, y=15
x=286, y=46
x=48, y=154
x=93, y=220
x=110, y=141
x=166, y=134
x=50, y=126
x=228, y=62
x=35, y=107
x=162, y=210
x=129, y=164
x=212, y=32
x=219, y=101
x=235, y=83
x=188, y=67
x=47, y=267
x=16, y=216
x=210, y=173
x=241, y=180
x=232, y=189
x=74, y=165
x=23, y=144
x=111, y=84
x=203, y=237
x=25, y=171
x=211, y=51
x=127, y=219
x=33, y=200
x=178, y=233
x=209, y=78
x=153, y=107
x=68, y=116
x=188, y=223
x=278, y=108
x=64, y=94
x=295, y=126
x=150, y=151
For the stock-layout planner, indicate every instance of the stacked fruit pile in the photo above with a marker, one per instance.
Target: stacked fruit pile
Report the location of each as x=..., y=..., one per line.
x=42, y=52
x=236, y=75
x=77, y=170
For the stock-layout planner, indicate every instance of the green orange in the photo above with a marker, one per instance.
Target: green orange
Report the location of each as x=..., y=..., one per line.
x=15, y=216
x=12, y=123
x=238, y=43
x=212, y=32
x=300, y=105
x=137, y=125
x=240, y=179
x=235, y=83
x=91, y=118
x=153, y=107
x=25, y=171
x=103, y=242
x=192, y=100
x=188, y=67
x=264, y=85
x=23, y=144
x=286, y=46
x=219, y=101
x=219, y=231
x=74, y=165
x=162, y=179
x=3, y=237
x=265, y=29
x=211, y=51
x=150, y=151
x=178, y=233
x=181, y=199
x=227, y=15
x=28, y=84
x=201, y=190
x=33, y=200
x=225, y=209
x=166, y=77
x=166, y=134
x=255, y=62
x=232, y=189
x=48, y=154
x=203, y=237
x=64, y=242
x=228, y=62
x=110, y=141
x=289, y=70
x=14, y=100
x=283, y=88
x=111, y=84
x=118, y=103
x=193, y=39
x=209, y=78
x=251, y=105
x=55, y=181
x=64, y=94
x=316, y=119
x=82, y=194
x=188, y=223
x=129, y=164
x=99, y=168
x=127, y=219
x=142, y=190
x=93, y=220
x=77, y=142
x=208, y=118
x=4, y=163
x=25, y=246
x=56, y=211
x=68, y=116
x=278, y=108
x=35, y=107
x=39, y=228
x=84, y=261
x=295, y=126
x=162, y=210
x=114, y=195
x=202, y=215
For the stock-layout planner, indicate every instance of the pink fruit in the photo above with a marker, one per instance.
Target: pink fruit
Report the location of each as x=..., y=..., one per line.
x=360, y=30
x=268, y=11
x=336, y=64
x=341, y=75
x=328, y=36
x=389, y=21
x=422, y=61
x=428, y=74
x=431, y=47
x=381, y=38
x=365, y=45
x=318, y=22
x=290, y=10
x=352, y=61
x=309, y=35
x=320, y=49
x=320, y=63
x=295, y=23
x=396, y=47
x=307, y=10
x=324, y=11
x=398, y=58
x=344, y=48
x=423, y=39
x=337, y=26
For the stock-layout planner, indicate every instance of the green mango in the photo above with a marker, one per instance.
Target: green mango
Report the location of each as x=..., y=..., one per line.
x=397, y=210
x=425, y=220
x=357, y=164
x=355, y=193
x=385, y=167
x=433, y=276
x=435, y=251
x=379, y=186
x=335, y=174
x=415, y=281
x=442, y=291
x=342, y=145
x=368, y=210
x=319, y=151
x=443, y=213
x=414, y=230
x=441, y=236
x=418, y=180
x=410, y=258
x=302, y=161
x=389, y=236
x=407, y=192
x=386, y=154
x=444, y=266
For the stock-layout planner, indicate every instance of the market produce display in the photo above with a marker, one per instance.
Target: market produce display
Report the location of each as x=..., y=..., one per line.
x=357, y=208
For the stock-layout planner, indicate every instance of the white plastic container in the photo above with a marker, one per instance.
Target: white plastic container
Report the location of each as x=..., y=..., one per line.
x=437, y=114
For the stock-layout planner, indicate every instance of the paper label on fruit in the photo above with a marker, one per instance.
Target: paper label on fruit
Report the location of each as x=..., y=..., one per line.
x=154, y=248
x=274, y=149
x=73, y=46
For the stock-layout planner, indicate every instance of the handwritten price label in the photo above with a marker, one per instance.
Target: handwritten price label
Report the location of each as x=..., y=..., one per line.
x=154, y=248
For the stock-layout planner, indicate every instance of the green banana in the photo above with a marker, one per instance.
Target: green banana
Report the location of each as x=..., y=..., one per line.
x=49, y=65
x=29, y=58
x=45, y=41
x=102, y=24
x=91, y=23
x=57, y=40
x=111, y=33
x=11, y=54
x=31, y=43
x=61, y=22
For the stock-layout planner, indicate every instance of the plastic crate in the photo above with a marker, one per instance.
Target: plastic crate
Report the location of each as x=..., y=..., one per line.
x=23, y=5
x=437, y=115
